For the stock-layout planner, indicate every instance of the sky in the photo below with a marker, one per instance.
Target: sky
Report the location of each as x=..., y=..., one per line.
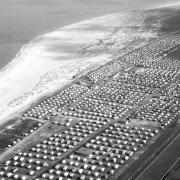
x=23, y=20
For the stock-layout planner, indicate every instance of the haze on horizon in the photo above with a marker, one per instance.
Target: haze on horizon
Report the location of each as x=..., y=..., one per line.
x=23, y=20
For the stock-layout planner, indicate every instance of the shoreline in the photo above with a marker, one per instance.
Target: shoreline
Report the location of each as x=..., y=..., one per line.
x=42, y=36
x=23, y=79
x=7, y=70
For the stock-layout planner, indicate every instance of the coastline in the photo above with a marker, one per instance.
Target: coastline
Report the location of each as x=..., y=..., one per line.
x=7, y=70
x=50, y=61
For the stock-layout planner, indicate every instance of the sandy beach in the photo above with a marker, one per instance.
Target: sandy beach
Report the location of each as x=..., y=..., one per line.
x=52, y=59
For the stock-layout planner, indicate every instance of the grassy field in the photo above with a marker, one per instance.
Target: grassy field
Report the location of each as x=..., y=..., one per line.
x=6, y=139
x=22, y=127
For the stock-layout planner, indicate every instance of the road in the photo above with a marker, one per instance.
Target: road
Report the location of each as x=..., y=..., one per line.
x=161, y=164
